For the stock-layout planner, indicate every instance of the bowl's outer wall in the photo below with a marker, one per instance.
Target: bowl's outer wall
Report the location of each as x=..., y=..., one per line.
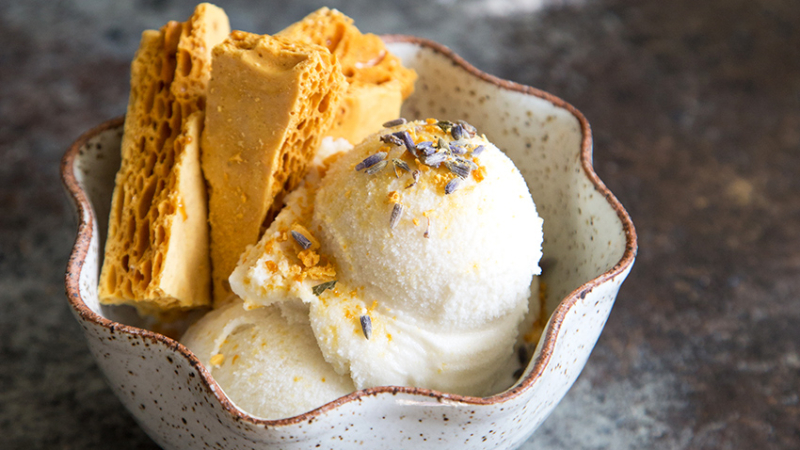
x=179, y=406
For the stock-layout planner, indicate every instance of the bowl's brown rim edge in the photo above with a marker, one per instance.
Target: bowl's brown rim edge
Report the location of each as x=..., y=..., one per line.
x=85, y=229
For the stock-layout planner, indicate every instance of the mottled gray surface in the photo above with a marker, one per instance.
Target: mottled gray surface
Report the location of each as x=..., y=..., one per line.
x=695, y=108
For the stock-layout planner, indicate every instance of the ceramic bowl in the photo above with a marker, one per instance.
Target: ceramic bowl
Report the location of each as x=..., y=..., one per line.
x=587, y=234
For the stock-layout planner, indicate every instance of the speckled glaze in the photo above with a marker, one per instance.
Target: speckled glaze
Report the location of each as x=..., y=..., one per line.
x=590, y=243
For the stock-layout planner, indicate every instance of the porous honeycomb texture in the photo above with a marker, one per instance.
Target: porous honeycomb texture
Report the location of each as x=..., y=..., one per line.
x=156, y=254
x=270, y=102
x=378, y=82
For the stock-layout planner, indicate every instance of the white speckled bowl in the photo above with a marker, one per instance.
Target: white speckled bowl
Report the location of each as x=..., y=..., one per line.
x=587, y=233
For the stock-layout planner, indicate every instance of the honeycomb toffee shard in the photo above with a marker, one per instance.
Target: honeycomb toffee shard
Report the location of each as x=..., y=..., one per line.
x=156, y=254
x=271, y=100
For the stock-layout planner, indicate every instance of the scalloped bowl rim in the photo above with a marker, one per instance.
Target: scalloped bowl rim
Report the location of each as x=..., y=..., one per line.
x=86, y=229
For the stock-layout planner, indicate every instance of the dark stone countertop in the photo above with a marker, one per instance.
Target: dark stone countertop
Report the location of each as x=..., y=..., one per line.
x=695, y=108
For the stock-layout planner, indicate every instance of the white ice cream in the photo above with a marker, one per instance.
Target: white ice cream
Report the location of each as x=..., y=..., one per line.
x=268, y=363
x=445, y=286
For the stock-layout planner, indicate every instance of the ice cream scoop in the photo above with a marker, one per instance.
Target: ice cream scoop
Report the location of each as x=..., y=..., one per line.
x=266, y=361
x=415, y=252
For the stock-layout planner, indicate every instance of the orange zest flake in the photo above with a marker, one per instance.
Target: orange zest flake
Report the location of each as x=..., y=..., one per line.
x=394, y=197
x=233, y=360
x=326, y=272
x=479, y=174
x=349, y=313
x=432, y=129
x=269, y=246
x=295, y=269
x=431, y=121
x=441, y=179
x=309, y=257
x=271, y=266
x=217, y=359
x=283, y=236
x=416, y=221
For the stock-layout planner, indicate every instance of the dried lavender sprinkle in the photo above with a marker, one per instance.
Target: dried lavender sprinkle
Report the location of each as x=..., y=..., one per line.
x=376, y=168
x=478, y=150
x=467, y=162
x=397, y=213
x=406, y=137
x=366, y=326
x=370, y=161
x=399, y=163
x=457, y=149
x=457, y=131
x=320, y=288
x=452, y=186
x=394, y=123
x=391, y=139
x=462, y=170
x=425, y=147
x=415, y=175
x=427, y=233
x=468, y=128
x=302, y=240
x=435, y=159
